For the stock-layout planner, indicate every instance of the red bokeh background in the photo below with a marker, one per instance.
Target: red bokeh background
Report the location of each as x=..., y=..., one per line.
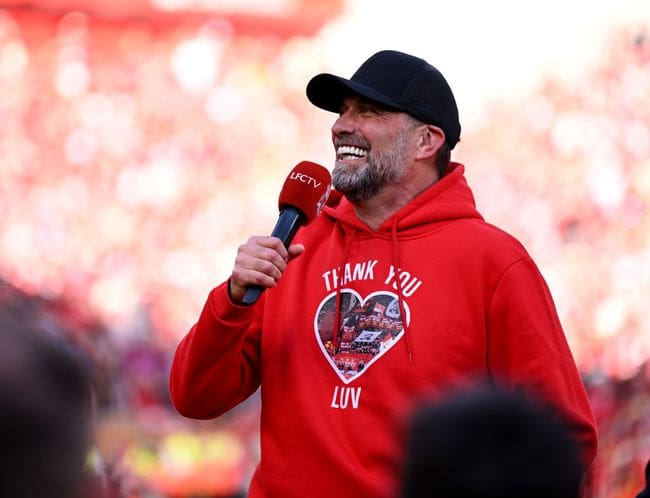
x=140, y=146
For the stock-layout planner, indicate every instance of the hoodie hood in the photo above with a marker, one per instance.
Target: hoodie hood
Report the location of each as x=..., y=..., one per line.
x=448, y=199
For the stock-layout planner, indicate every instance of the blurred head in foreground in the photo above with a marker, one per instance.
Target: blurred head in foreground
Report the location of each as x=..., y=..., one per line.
x=44, y=415
x=489, y=443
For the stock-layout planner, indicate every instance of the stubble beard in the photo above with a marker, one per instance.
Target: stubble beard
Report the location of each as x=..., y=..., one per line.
x=383, y=168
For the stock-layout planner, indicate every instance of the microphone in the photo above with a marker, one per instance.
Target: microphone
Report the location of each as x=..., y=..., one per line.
x=303, y=195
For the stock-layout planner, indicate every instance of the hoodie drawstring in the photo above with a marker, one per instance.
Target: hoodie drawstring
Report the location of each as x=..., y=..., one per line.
x=336, y=326
x=337, y=313
x=400, y=297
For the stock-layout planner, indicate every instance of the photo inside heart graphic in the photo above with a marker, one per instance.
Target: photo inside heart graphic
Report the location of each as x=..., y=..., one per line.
x=367, y=329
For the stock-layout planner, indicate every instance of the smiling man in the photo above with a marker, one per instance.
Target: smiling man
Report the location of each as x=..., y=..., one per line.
x=398, y=291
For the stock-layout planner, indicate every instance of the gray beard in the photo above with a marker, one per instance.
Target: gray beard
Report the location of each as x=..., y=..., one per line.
x=360, y=183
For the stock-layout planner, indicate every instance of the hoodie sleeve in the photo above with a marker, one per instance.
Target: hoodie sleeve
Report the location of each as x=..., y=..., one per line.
x=216, y=365
x=527, y=347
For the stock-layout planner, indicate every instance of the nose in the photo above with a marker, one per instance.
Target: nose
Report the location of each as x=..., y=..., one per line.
x=345, y=123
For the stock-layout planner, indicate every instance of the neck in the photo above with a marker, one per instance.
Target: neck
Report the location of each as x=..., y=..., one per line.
x=376, y=210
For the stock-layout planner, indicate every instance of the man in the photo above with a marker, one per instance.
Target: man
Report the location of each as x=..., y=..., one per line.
x=489, y=442
x=397, y=290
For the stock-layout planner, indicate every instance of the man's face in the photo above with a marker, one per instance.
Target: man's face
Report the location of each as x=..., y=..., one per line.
x=373, y=148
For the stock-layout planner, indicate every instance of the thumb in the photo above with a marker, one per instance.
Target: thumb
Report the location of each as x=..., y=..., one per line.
x=295, y=250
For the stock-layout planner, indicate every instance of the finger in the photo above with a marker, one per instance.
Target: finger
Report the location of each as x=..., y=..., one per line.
x=270, y=242
x=242, y=280
x=268, y=249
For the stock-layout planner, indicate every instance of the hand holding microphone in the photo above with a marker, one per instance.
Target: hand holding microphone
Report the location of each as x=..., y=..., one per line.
x=261, y=260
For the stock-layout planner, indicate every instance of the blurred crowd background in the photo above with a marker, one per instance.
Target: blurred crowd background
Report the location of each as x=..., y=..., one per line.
x=141, y=144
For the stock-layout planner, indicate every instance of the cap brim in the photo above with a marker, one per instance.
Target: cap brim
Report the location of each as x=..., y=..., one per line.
x=327, y=92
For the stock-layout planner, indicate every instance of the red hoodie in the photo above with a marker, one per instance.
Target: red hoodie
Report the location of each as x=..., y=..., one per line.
x=335, y=400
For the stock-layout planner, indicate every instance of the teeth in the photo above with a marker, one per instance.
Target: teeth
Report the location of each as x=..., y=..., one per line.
x=348, y=150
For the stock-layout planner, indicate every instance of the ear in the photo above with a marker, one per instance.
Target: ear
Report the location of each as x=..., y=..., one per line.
x=429, y=141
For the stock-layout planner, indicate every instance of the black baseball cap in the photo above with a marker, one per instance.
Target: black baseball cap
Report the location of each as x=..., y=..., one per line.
x=398, y=81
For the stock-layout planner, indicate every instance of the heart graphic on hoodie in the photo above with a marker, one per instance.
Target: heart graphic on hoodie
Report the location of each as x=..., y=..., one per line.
x=367, y=329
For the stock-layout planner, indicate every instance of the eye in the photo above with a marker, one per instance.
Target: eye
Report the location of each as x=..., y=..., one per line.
x=368, y=109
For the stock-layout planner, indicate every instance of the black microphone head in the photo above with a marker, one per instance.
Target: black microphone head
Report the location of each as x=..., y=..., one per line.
x=306, y=188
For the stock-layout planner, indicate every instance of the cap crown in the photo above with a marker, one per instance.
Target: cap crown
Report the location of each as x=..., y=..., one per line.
x=397, y=80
